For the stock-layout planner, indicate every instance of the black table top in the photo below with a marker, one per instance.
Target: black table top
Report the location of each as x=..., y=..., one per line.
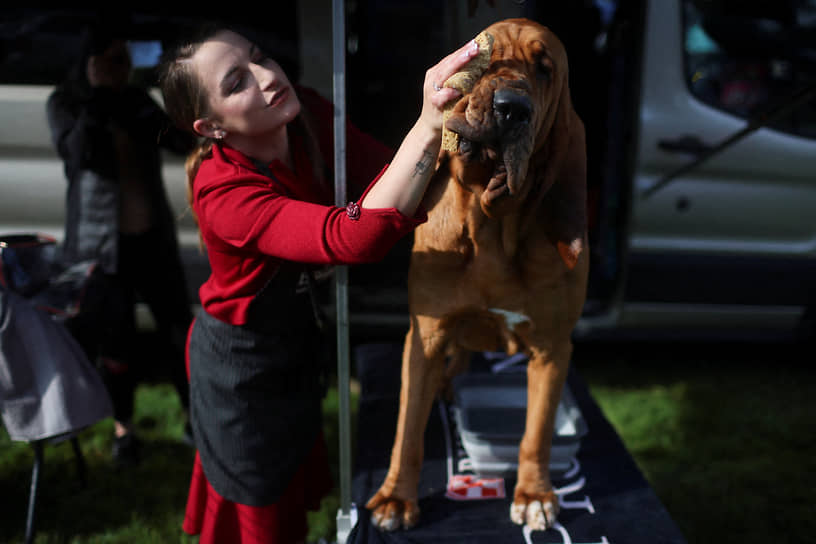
x=604, y=496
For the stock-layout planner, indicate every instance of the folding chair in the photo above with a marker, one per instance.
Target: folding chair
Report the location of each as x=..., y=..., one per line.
x=49, y=390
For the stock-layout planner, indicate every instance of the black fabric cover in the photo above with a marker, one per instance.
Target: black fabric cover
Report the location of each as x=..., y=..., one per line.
x=624, y=509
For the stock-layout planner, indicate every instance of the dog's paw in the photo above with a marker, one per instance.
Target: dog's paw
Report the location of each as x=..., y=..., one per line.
x=539, y=512
x=390, y=513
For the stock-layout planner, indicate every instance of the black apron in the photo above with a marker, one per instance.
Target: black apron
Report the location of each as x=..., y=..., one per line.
x=256, y=390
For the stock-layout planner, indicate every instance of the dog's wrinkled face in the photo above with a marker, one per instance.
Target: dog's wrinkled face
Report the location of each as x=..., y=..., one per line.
x=508, y=115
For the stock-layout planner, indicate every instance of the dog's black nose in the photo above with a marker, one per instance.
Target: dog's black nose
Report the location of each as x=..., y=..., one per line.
x=512, y=109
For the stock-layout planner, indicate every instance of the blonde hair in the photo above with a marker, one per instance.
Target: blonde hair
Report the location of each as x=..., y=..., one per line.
x=186, y=100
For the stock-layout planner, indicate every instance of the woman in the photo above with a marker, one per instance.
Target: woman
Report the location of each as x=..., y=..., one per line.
x=108, y=133
x=259, y=191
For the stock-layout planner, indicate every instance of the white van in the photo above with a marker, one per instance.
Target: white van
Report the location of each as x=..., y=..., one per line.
x=701, y=140
x=719, y=233
x=702, y=198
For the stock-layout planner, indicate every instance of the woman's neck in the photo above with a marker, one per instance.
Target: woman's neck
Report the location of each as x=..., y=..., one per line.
x=265, y=148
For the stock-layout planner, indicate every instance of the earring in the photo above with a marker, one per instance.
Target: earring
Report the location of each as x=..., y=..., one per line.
x=219, y=134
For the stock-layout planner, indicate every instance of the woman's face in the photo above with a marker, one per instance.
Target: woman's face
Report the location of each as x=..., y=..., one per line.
x=249, y=93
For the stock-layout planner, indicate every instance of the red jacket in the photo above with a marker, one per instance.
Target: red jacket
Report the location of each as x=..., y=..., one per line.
x=250, y=223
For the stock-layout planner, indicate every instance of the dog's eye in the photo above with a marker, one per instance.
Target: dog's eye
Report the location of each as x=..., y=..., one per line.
x=465, y=146
x=544, y=61
x=545, y=69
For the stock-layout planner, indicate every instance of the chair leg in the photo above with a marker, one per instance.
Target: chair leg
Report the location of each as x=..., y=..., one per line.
x=32, y=496
x=80, y=461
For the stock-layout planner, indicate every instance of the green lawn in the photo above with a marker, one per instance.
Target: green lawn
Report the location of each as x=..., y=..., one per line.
x=143, y=504
x=135, y=505
x=725, y=435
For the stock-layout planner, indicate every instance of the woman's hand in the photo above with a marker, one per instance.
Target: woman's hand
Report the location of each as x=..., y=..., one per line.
x=403, y=184
x=434, y=95
x=97, y=75
x=110, y=68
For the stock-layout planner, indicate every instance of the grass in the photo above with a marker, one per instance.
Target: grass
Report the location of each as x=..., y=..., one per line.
x=136, y=505
x=142, y=504
x=725, y=435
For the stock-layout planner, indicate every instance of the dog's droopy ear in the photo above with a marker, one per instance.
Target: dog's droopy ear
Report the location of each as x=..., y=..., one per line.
x=565, y=202
x=568, y=193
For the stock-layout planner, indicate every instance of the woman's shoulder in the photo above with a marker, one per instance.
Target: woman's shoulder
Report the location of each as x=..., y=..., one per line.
x=62, y=96
x=225, y=165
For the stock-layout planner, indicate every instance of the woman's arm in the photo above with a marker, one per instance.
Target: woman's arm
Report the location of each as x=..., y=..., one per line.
x=403, y=184
x=247, y=213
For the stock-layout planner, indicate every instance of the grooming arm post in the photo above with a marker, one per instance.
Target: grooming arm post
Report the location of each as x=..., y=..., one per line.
x=345, y=515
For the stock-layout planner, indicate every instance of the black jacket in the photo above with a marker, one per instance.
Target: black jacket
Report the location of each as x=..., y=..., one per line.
x=81, y=126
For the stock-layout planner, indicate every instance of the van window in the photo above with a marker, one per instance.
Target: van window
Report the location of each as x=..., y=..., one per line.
x=749, y=58
x=145, y=54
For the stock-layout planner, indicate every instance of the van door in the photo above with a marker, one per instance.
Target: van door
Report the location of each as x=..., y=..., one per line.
x=734, y=238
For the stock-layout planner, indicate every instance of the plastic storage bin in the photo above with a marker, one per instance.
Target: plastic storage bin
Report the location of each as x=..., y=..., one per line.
x=490, y=413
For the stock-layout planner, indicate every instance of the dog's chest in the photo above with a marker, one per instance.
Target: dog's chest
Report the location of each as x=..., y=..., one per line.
x=464, y=254
x=472, y=257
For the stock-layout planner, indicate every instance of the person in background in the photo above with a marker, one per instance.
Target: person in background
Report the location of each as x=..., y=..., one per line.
x=109, y=133
x=260, y=190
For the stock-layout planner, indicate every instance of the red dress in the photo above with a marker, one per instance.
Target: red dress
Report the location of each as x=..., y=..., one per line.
x=251, y=223
x=219, y=520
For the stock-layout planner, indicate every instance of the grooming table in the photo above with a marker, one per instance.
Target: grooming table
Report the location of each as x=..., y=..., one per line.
x=604, y=497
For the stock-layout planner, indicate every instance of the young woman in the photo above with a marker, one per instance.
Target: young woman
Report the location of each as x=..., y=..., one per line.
x=107, y=132
x=263, y=200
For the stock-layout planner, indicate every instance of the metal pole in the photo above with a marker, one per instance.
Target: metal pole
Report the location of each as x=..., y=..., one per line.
x=345, y=515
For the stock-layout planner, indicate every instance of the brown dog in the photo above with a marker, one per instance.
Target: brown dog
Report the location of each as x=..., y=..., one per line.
x=501, y=262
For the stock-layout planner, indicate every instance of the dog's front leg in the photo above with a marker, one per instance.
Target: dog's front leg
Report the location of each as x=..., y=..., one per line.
x=395, y=504
x=534, y=500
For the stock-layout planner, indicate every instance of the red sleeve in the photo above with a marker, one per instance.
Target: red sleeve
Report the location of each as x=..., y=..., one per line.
x=245, y=211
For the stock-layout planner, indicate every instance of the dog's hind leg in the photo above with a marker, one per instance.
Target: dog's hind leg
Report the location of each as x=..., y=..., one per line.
x=395, y=503
x=458, y=361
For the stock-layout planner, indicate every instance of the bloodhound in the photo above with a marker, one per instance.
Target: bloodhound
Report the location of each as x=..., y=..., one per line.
x=502, y=262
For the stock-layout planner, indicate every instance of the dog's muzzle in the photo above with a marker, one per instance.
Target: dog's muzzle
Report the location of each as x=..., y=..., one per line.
x=513, y=112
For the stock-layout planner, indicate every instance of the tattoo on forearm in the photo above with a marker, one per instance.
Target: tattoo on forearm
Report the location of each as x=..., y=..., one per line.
x=423, y=165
